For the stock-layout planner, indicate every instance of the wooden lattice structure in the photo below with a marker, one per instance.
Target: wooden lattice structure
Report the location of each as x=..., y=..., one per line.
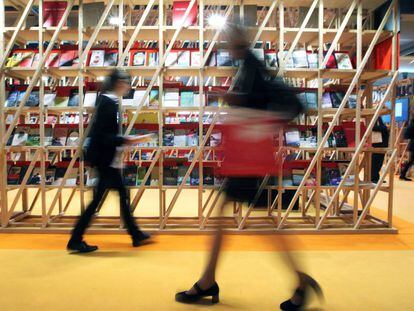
x=338, y=24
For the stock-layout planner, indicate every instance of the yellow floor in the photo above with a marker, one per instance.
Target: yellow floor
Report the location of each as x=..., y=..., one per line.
x=357, y=272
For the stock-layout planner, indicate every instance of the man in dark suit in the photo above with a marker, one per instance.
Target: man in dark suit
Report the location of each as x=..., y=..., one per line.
x=409, y=134
x=101, y=153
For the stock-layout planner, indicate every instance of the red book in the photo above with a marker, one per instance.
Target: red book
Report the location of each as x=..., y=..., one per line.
x=383, y=54
x=53, y=59
x=67, y=58
x=27, y=59
x=53, y=12
x=179, y=8
x=350, y=131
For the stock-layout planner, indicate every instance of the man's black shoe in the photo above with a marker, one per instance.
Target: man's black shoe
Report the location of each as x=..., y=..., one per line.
x=81, y=247
x=405, y=178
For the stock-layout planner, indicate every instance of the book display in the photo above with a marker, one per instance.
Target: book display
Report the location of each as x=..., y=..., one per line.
x=180, y=69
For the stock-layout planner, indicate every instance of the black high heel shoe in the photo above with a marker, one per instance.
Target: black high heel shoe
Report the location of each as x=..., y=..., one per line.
x=301, y=295
x=213, y=291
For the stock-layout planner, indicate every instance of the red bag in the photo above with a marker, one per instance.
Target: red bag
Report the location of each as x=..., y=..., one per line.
x=249, y=148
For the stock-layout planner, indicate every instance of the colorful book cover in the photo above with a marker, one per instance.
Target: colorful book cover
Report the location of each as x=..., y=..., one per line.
x=110, y=59
x=14, y=60
x=195, y=59
x=152, y=59
x=180, y=138
x=13, y=176
x=352, y=101
x=138, y=58
x=33, y=100
x=67, y=58
x=35, y=177
x=61, y=101
x=194, y=177
x=36, y=60
x=170, y=176
x=292, y=138
x=154, y=98
x=187, y=99
x=224, y=58
x=130, y=176
x=343, y=61
x=50, y=175
x=27, y=59
x=140, y=175
x=313, y=60
x=326, y=100
x=171, y=59
x=311, y=100
x=12, y=99
x=271, y=59
x=21, y=135
x=331, y=64
x=33, y=138
x=183, y=58
x=59, y=136
x=73, y=98
x=168, y=139
x=155, y=176
x=181, y=171
x=97, y=58
x=49, y=99
x=300, y=59
x=90, y=99
x=53, y=12
x=208, y=176
x=48, y=135
x=337, y=98
x=179, y=9
x=73, y=137
x=340, y=138
x=53, y=59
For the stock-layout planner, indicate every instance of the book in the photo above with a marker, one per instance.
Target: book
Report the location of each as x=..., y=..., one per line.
x=91, y=179
x=14, y=60
x=331, y=64
x=171, y=59
x=208, y=176
x=297, y=176
x=33, y=138
x=49, y=99
x=313, y=60
x=21, y=135
x=50, y=175
x=337, y=98
x=73, y=137
x=181, y=171
x=180, y=138
x=171, y=98
x=343, y=60
x=152, y=59
x=195, y=59
x=130, y=175
x=352, y=101
x=192, y=139
x=73, y=98
x=110, y=58
x=27, y=59
x=13, y=176
x=60, y=134
x=33, y=100
x=154, y=180
x=138, y=97
x=224, y=58
x=53, y=59
x=194, y=177
x=73, y=177
x=178, y=12
x=289, y=62
x=340, y=138
x=97, y=58
x=300, y=59
x=183, y=58
x=154, y=98
x=35, y=177
x=292, y=138
x=128, y=99
x=89, y=99
x=187, y=99
x=168, y=138
x=212, y=59
x=170, y=176
x=271, y=59
x=302, y=98
x=215, y=139
x=138, y=58
x=59, y=174
x=53, y=12
x=67, y=58
x=61, y=100
x=259, y=54
x=36, y=60
x=326, y=100
x=12, y=99
x=48, y=136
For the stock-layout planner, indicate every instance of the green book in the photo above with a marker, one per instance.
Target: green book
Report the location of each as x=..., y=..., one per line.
x=187, y=99
x=140, y=175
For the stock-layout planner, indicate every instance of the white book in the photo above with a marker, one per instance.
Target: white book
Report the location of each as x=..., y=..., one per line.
x=195, y=59
x=49, y=99
x=197, y=100
x=343, y=61
x=300, y=59
x=97, y=58
x=289, y=62
x=183, y=58
x=20, y=139
x=171, y=94
x=138, y=95
x=90, y=99
x=313, y=60
x=180, y=140
x=171, y=59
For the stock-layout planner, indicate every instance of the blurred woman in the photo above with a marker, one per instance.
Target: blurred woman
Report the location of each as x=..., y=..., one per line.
x=259, y=99
x=101, y=154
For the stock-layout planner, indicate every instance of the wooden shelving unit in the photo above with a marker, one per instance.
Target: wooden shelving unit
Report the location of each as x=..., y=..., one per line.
x=322, y=209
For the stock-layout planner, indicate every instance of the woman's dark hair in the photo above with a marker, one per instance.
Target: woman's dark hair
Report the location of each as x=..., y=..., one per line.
x=116, y=75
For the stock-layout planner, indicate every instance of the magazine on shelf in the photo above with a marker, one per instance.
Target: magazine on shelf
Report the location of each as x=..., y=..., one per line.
x=170, y=176
x=154, y=98
x=72, y=177
x=110, y=59
x=171, y=98
x=33, y=100
x=13, y=176
x=337, y=98
x=343, y=61
x=297, y=176
x=48, y=135
x=53, y=60
x=61, y=100
x=215, y=139
x=50, y=175
x=292, y=138
x=326, y=100
x=14, y=60
x=138, y=58
x=73, y=98
x=53, y=12
x=152, y=59
x=155, y=176
x=33, y=138
x=178, y=12
x=331, y=64
x=224, y=58
x=168, y=139
x=194, y=178
x=171, y=59
x=12, y=99
x=300, y=59
x=271, y=59
x=187, y=99
x=289, y=62
x=212, y=60
x=60, y=134
x=21, y=135
x=73, y=137
x=27, y=59
x=259, y=53
x=192, y=139
x=130, y=175
x=141, y=175
x=183, y=58
x=35, y=177
x=195, y=59
x=36, y=60
x=67, y=58
x=180, y=138
x=97, y=58
x=208, y=176
x=340, y=138
x=313, y=60
x=138, y=96
x=181, y=171
x=49, y=99
x=90, y=99
x=352, y=101
x=33, y=119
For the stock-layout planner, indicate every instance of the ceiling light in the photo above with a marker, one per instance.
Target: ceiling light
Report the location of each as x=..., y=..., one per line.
x=217, y=21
